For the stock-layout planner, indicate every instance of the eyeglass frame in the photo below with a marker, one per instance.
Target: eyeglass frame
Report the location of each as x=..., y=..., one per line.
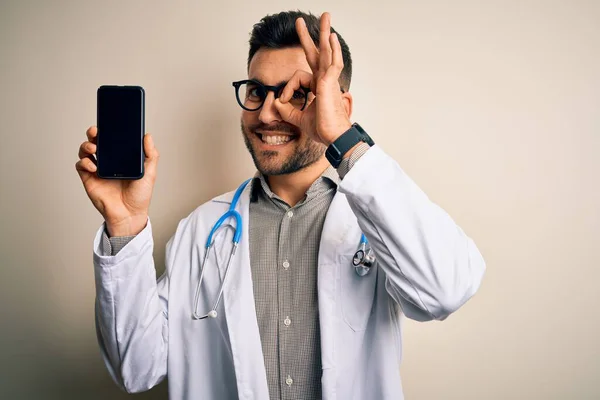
x=268, y=88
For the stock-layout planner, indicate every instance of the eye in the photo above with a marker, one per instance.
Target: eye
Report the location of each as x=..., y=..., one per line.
x=298, y=95
x=255, y=93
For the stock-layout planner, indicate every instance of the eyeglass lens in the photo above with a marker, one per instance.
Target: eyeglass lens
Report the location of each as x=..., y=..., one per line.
x=252, y=95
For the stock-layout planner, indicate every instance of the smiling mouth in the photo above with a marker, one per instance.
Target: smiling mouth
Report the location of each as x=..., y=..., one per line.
x=275, y=140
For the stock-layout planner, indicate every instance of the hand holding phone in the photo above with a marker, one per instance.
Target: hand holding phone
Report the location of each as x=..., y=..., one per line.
x=123, y=203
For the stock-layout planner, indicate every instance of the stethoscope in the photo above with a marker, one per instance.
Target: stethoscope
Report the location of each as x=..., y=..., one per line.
x=363, y=259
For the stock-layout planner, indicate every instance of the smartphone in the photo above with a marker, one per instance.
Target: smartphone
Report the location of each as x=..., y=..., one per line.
x=120, y=140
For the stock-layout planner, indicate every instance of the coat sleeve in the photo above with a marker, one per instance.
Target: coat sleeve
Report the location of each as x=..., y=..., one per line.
x=432, y=267
x=131, y=312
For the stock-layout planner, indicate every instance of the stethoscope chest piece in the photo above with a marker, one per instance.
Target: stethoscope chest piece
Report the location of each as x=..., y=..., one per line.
x=364, y=258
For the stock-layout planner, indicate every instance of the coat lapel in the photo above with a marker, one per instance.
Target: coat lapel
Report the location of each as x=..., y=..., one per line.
x=339, y=223
x=238, y=298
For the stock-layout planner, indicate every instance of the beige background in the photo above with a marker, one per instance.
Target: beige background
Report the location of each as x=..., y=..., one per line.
x=492, y=107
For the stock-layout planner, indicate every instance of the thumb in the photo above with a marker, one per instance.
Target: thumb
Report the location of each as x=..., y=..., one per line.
x=151, y=156
x=288, y=112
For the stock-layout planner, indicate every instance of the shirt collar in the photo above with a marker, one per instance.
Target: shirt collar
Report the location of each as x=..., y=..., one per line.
x=329, y=179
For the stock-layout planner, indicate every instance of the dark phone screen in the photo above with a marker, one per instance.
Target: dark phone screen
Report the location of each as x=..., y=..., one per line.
x=120, y=132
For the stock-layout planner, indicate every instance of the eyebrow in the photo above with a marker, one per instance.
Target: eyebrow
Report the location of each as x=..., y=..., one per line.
x=261, y=82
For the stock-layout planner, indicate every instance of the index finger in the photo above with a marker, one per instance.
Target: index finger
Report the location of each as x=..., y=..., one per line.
x=324, y=46
x=92, y=133
x=299, y=79
x=310, y=50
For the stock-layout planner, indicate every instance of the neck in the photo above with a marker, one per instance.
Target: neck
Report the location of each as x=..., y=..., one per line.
x=292, y=188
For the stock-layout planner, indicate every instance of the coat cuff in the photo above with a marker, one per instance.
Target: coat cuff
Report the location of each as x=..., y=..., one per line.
x=375, y=167
x=105, y=255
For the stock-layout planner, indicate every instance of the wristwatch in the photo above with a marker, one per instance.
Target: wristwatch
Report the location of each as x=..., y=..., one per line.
x=336, y=151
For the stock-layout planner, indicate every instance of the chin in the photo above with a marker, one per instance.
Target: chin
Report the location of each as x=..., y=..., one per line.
x=268, y=164
x=282, y=159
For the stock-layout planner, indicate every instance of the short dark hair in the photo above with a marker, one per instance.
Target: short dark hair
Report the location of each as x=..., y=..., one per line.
x=278, y=31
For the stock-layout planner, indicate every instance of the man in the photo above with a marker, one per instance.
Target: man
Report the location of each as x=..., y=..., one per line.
x=297, y=320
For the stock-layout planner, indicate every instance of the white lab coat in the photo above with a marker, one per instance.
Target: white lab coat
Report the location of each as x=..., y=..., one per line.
x=427, y=268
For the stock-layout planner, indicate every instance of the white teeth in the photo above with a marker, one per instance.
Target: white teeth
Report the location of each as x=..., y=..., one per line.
x=275, y=140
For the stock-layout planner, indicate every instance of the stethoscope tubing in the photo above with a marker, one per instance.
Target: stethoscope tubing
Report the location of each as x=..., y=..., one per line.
x=363, y=253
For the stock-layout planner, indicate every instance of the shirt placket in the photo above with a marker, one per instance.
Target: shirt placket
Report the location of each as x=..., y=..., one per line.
x=286, y=319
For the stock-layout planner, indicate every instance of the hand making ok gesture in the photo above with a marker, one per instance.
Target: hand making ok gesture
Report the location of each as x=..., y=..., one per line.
x=327, y=115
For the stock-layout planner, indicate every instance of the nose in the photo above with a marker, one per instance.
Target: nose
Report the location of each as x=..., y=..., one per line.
x=268, y=113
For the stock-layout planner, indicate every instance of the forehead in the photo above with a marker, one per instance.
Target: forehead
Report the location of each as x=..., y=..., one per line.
x=271, y=66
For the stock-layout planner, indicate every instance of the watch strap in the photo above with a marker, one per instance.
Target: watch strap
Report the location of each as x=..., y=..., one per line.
x=336, y=151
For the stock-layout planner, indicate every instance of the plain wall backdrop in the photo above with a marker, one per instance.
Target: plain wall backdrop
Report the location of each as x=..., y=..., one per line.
x=492, y=107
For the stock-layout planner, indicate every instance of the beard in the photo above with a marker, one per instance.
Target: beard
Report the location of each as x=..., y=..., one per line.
x=306, y=152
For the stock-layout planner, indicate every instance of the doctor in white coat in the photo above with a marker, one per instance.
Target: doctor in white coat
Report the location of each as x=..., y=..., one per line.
x=426, y=266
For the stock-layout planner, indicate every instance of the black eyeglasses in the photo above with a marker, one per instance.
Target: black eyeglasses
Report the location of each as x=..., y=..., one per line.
x=251, y=94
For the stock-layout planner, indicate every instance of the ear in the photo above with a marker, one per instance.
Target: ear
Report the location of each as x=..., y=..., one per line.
x=347, y=101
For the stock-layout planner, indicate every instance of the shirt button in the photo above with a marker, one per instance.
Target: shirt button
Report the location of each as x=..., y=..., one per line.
x=289, y=380
x=286, y=264
x=287, y=321
x=290, y=214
